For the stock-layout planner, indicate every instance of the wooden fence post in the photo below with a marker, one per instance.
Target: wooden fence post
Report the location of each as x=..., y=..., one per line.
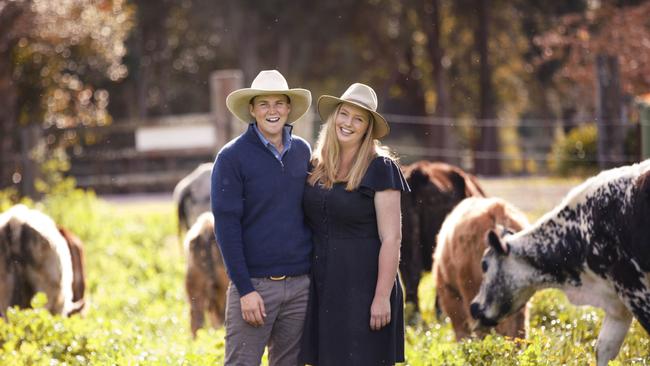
x=608, y=112
x=222, y=83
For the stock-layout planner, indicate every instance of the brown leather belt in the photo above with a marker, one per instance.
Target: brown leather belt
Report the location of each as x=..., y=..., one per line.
x=277, y=278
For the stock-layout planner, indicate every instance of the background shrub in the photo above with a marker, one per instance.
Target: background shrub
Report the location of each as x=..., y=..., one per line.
x=576, y=152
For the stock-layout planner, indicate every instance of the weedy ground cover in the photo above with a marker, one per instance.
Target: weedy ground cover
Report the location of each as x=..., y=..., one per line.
x=138, y=313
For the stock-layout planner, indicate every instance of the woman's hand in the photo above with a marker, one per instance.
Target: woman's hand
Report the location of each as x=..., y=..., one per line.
x=379, y=312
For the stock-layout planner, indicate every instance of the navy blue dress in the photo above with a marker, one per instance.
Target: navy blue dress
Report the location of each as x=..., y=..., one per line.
x=344, y=274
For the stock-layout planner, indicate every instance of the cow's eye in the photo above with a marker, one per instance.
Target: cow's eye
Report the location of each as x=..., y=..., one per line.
x=484, y=266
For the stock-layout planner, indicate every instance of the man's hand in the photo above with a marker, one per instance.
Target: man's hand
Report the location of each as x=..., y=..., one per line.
x=252, y=309
x=379, y=312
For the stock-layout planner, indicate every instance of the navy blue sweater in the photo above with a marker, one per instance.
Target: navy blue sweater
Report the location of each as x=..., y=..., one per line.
x=257, y=207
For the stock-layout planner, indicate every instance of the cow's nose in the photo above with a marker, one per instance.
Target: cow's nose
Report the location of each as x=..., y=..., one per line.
x=475, y=310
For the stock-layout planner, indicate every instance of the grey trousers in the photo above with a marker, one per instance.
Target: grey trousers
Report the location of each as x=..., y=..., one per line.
x=285, y=303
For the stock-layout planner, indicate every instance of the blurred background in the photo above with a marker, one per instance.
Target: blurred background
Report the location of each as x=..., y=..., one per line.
x=129, y=96
x=126, y=97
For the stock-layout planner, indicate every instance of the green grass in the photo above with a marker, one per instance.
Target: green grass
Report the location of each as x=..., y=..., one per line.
x=137, y=311
x=138, y=314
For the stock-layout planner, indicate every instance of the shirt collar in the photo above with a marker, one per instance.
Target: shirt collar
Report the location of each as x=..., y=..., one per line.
x=286, y=136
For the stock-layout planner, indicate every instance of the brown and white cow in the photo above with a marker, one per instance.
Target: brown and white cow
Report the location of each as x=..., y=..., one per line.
x=457, y=260
x=595, y=246
x=34, y=257
x=436, y=188
x=206, y=281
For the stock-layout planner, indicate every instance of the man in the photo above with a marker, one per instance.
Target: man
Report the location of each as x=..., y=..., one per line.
x=257, y=185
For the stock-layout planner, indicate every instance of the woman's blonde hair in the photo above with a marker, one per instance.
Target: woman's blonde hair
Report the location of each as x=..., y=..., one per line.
x=326, y=158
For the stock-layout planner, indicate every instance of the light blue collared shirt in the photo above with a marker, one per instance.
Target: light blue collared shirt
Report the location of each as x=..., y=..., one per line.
x=286, y=141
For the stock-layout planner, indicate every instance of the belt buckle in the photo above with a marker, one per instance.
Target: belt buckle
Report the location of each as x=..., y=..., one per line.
x=277, y=278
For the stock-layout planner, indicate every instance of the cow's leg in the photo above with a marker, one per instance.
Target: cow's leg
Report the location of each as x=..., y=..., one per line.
x=52, y=288
x=7, y=283
x=213, y=311
x=611, y=336
x=452, y=305
x=197, y=314
x=513, y=326
x=46, y=276
x=217, y=306
x=197, y=299
x=641, y=307
x=410, y=265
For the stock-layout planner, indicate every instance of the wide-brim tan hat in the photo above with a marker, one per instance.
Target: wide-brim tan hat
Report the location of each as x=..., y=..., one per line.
x=268, y=82
x=362, y=96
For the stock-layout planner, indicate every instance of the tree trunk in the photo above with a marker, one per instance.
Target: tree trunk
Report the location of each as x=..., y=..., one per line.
x=247, y=26
x=14, y=24
x=441, y=132
x=284, y=55
x=608, y=112
x=8, y=121
x=486, y=161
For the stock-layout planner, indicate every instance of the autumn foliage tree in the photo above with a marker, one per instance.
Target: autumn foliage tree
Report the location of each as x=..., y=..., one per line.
x=608, y=30
x=51, y=54
x=606, y=55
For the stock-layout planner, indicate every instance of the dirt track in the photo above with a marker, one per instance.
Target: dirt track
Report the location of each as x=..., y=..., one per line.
x=534, y=196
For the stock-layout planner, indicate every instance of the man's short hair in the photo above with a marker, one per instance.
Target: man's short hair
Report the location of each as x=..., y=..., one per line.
x=253, y=98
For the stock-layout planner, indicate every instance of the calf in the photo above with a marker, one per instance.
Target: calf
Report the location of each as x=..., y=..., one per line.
x=34, y=257
x=206, y=281
x=595, y=246
x=436, y=188
x=192, y=196
x=457, y=260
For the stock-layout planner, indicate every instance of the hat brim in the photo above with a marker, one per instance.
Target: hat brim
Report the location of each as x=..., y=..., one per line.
x=327, y=105
x=238, y=102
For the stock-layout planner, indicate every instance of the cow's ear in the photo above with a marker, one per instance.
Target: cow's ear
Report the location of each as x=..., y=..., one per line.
x=495, y=242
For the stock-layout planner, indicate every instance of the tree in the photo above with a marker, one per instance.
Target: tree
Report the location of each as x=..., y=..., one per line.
x=607, y=47
x=441, y=134
x=489, y=138
x=51, y=54
x=577, y=38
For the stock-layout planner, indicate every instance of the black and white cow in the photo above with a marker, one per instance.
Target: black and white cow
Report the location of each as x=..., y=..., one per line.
x=595, y=246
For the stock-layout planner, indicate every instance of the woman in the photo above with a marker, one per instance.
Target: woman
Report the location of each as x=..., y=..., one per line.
x=352, y=204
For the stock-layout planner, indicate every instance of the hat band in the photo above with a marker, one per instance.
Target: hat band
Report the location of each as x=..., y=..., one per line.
x=358, y=102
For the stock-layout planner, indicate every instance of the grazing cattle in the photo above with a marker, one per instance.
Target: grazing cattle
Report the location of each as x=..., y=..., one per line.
x=457, y=260
x=595, y=246
x=436, y=188
x=192, y=196
x=34, y=257
x=206, y=281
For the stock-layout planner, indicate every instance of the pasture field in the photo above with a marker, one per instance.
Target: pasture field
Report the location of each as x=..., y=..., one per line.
x=138, y=313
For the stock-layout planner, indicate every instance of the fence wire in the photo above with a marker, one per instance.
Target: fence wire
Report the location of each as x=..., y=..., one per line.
x=528, y=140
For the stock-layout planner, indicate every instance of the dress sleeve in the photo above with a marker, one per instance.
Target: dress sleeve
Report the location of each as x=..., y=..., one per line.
x=383, y=174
